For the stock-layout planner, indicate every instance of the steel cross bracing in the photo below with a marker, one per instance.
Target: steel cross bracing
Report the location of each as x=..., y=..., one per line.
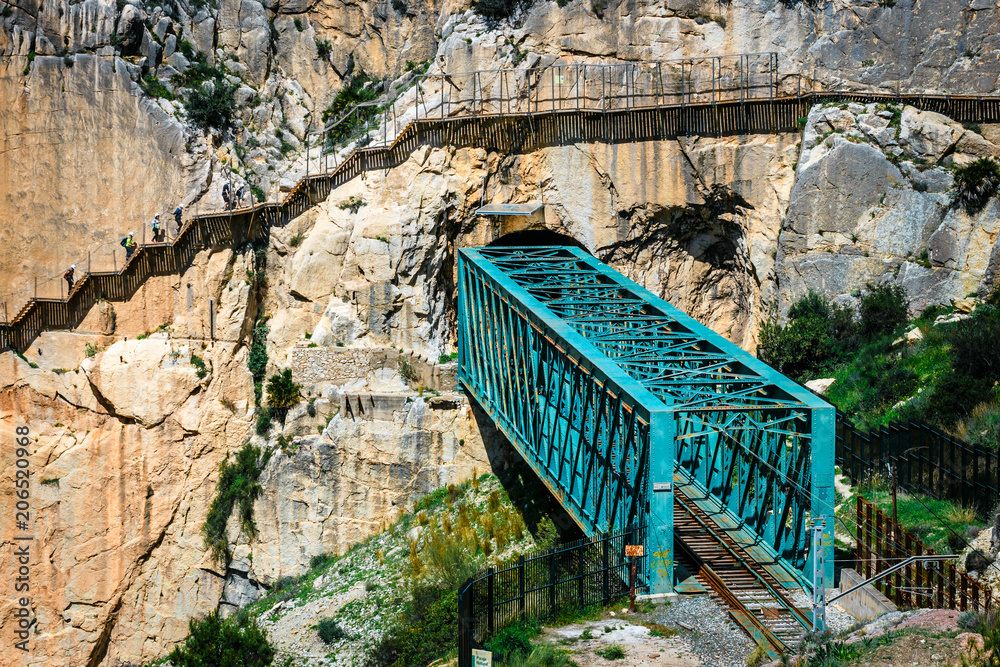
x=605, y=389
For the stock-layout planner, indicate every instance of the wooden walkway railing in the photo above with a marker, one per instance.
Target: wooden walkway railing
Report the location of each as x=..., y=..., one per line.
x=635, y=112
x=882, y=543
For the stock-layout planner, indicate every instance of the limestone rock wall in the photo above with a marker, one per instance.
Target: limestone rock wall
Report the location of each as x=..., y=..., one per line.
x=873, y=202
x=124, y=455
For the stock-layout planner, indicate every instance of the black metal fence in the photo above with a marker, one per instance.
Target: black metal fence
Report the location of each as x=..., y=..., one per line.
x=541, y=585
x=926, y=461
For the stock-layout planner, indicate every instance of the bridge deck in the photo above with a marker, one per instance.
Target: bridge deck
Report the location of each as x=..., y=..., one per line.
x=730, y=526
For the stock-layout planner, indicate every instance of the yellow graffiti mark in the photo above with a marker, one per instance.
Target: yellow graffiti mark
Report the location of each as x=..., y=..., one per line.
x=662, y=562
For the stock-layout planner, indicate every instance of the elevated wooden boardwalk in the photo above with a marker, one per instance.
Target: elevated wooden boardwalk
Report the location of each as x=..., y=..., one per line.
x=507, y=133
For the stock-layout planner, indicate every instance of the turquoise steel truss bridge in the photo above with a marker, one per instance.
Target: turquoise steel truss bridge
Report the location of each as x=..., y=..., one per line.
x=614, y=396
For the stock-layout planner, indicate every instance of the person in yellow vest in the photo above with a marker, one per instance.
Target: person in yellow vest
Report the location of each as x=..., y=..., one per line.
x=129, y=243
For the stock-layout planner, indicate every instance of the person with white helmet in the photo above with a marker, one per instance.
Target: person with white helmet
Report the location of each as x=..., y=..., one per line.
x=69, y=278
x=129, y=243
x=155, y=224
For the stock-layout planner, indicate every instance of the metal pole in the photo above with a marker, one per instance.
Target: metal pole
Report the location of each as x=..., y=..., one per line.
x=819, y=585
x=631, y=586
x=211, y=318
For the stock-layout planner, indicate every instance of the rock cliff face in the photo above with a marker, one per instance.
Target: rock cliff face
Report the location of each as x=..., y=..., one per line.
x=285, y=61
x=873, y=202
x=130, y=432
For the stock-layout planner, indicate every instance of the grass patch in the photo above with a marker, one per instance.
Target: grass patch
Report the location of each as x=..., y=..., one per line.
x=612, y=652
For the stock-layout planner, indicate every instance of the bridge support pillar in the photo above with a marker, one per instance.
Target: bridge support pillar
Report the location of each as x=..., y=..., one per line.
x=822, y=498
x=660, y=512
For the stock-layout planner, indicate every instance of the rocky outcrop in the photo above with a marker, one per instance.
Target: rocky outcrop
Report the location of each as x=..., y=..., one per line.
x=126, y=449
x=873, y=202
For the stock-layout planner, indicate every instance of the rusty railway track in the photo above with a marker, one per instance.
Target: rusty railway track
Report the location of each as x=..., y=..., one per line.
x=754, y=598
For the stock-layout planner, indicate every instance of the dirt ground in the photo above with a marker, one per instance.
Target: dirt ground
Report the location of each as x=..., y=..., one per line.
x=641, y=649
x=915, y=649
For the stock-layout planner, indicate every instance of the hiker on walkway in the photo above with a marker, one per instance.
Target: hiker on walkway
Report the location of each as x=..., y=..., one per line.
x=69, y=278
x=177, y=217
x=129, y=244
x=155, y=224
x=240, y=193
x=225, y=196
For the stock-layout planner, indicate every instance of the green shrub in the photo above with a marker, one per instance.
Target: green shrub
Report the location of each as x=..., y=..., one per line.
x=323, y=48
x=880, y=382
x=545, y=655
x=360, y=88
x=238, y=485
x=425, y=630
x=954, y=397
x=547, y=534
x=263, y=424
x=329, y=631
x=882, y=309
x=235, y=642
x=406, y=371
x=152, y=87
x=298, y=24
x=257, y=362
x=500, y=11
x=983, y=426
x=187, y=49
x=816, y=332
x=513, y=641
x=612, y=652
x=974, y=346
x=320, y=561
x=976, y=184
x=282, y=393
x=199, y=364
x=212, y=109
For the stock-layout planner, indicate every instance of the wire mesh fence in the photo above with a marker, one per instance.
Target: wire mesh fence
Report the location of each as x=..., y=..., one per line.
x=541, y=585
x=925, y=461
x=883, y=543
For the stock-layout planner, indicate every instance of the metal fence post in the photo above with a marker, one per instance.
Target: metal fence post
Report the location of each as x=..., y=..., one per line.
x=579, y=575
x=552, y=580
x=489, y=600
x=520, y=587
x=604, y=570
x=464, y=624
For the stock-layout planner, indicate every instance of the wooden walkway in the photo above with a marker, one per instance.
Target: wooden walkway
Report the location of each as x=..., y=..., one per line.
x=504, y=133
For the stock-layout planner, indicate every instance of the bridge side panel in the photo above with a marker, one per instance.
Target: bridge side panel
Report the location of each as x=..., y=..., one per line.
x=582, y=436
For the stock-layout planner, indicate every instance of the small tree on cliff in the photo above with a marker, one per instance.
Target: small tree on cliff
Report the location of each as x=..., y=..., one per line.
x=234, y=642
x=282, y=393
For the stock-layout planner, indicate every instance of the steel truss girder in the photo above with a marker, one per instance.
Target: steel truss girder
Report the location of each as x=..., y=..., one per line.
x=604, y=389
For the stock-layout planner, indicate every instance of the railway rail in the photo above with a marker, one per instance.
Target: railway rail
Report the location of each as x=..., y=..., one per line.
x=755, y=599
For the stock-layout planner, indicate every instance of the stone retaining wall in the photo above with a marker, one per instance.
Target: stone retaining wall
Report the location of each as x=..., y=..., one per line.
x=314, y=365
